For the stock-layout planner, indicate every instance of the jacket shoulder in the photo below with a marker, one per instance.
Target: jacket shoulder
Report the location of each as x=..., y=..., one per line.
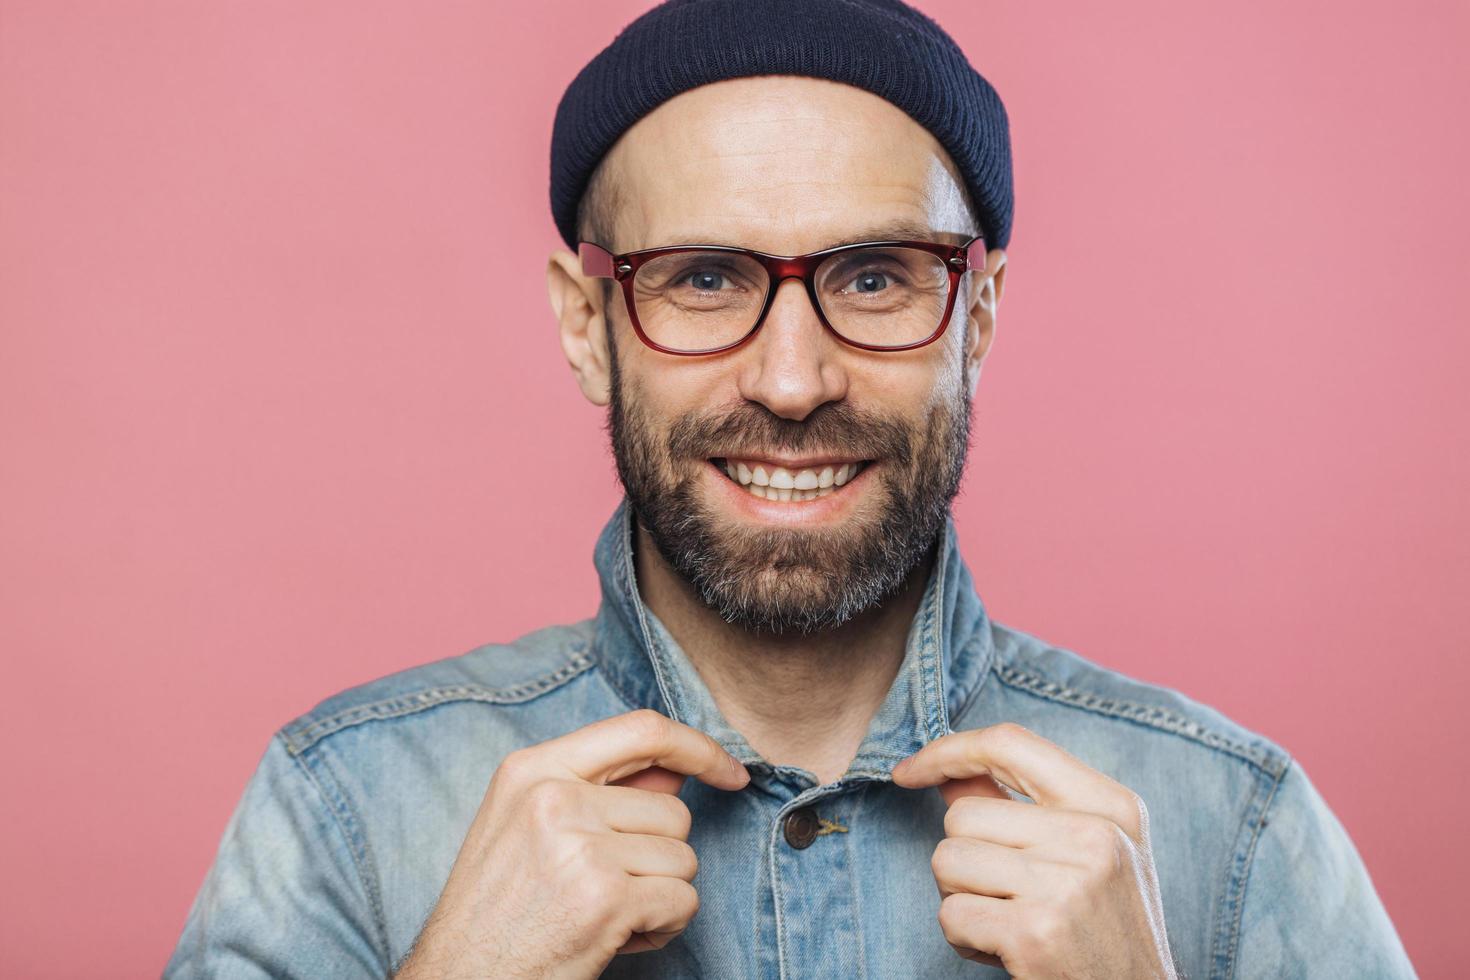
x=502, y=673
x=1023, y=662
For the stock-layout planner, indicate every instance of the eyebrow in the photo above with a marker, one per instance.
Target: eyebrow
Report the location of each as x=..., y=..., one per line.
x=892, y=231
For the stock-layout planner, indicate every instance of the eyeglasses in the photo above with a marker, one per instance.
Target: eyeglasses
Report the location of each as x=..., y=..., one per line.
x=705, y=299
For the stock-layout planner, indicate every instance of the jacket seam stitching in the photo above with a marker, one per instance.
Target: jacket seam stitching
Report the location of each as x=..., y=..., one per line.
x=1153, y=716
x=985, y=671
x=930, y=689
x=347, y=824
x=1237, y=893
x=299, y=740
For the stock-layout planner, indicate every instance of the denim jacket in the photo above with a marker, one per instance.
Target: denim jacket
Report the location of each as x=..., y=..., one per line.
x=347, y=830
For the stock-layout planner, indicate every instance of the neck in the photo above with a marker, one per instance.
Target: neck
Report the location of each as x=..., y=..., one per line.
x=802, y=701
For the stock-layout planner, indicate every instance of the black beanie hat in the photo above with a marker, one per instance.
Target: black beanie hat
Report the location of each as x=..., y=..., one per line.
x=884, y=46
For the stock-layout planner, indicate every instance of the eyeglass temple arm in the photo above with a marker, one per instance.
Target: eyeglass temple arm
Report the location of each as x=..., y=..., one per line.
x=596, y=260
x=975, y=255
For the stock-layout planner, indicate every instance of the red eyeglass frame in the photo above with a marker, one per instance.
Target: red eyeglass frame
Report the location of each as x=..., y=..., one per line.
x=601, y=263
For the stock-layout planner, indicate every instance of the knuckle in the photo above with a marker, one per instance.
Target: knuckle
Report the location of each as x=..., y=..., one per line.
x=575, y=853
x=1072, y=892
x=648, y=725
x=672, y=905
x=516, y=766
x=945, y=853
x=1102, y=847
x=545, y=801
x=686, y=900
x=960, y=814
x=602, y=891
x=995, y=740
x=953, y=917
x=680, y=816
x=1136, y=822
x=1008, y=731
x=579, y=878
x=688, y=859
x=1043, y=930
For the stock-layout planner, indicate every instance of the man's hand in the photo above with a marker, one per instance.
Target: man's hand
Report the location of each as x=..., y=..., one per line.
x=1063, y=887
x=579, y=851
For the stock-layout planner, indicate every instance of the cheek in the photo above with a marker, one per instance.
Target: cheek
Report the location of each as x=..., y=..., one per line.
x=912, y=388
x=669, y=386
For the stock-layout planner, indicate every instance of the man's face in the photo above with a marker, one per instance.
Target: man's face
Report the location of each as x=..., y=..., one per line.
x=790, y=165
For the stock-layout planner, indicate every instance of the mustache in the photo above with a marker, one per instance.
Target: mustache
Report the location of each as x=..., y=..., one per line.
x=754, y=430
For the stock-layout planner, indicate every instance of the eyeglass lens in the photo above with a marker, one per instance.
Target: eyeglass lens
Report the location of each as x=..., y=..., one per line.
x=885, y=296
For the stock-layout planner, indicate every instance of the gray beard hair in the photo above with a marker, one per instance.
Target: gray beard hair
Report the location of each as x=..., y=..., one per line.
x=779, y=580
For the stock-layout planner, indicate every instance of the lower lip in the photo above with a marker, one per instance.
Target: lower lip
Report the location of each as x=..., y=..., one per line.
x=835, y=506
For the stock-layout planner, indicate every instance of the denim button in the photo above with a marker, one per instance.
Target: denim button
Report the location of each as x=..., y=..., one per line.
x=801, y=827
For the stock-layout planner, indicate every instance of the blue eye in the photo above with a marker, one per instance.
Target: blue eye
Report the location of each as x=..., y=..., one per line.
x=876, y=280
x=705, y=281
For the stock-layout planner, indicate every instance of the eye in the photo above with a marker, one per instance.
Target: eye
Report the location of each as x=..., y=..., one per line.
x=870, y=282
x=705, y=280
x=870, y=272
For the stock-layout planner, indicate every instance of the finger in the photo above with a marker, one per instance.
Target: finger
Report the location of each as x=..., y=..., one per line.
x=966, y=864
x=1012, y=823
x=650, y=854
x=976, y=924
x=660, y=907
x=1017, y=757
x=640, y=811
x=622, y=745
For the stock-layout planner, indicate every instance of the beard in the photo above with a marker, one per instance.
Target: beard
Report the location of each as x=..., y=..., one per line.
x=784, y=580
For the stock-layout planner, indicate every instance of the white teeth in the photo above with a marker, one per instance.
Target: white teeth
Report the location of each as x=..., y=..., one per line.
x=780, y=483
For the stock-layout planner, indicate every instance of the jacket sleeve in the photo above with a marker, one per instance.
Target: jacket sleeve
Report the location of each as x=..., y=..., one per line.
x=285, y=896
x=1310, y=909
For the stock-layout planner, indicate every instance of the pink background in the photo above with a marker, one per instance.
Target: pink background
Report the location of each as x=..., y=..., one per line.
x=282, y=409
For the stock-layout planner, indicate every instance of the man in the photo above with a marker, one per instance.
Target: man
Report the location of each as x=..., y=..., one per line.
x=789, y=222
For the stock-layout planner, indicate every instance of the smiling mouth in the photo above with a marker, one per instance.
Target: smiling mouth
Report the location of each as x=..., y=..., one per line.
x=761, y=478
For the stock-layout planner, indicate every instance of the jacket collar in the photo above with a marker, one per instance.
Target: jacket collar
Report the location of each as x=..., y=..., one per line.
x=947, y=655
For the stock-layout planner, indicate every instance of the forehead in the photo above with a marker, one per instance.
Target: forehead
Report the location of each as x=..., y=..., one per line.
x=783, y=164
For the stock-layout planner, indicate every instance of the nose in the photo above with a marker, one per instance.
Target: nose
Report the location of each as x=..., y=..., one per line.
x=793, y=365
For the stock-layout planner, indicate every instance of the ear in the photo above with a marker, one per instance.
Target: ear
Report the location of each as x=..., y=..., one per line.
x=577, y=302
x=986, y=288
